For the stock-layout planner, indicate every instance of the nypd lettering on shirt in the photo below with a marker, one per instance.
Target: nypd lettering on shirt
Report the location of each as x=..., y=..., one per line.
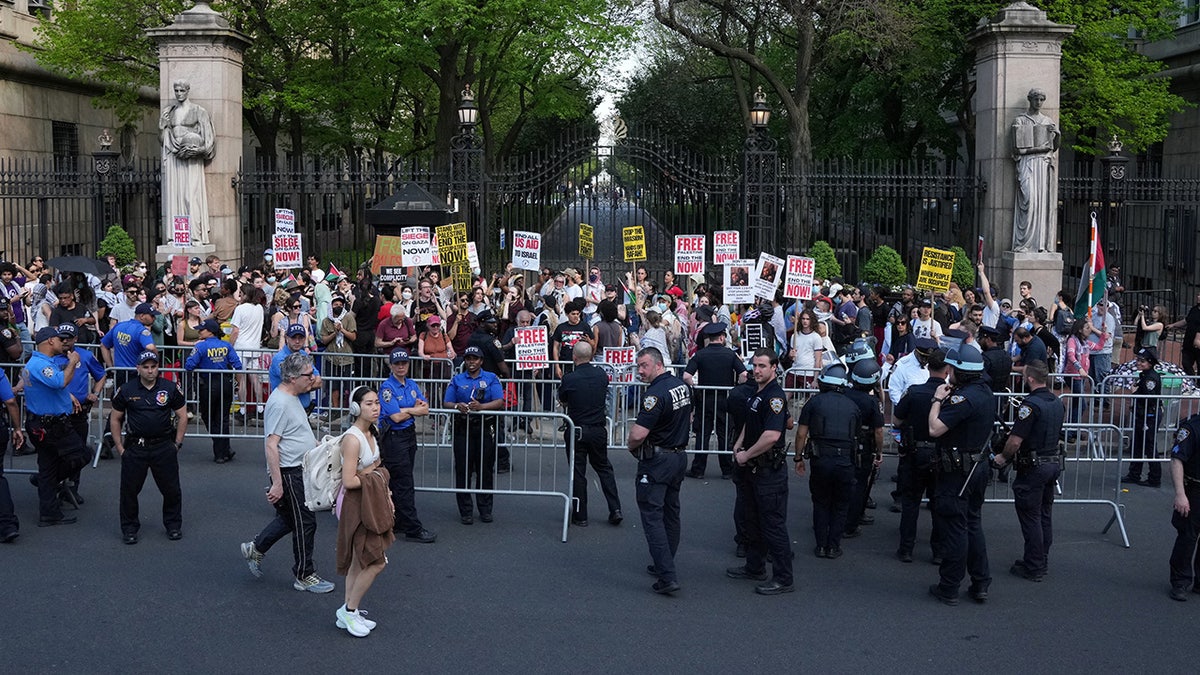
x=680, y=396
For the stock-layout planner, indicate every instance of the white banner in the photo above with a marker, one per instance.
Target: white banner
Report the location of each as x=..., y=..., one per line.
x=527, y=251
x=689, y=254
x=287, y=251
x=738, y=290
x=531, y=347
x=622, y=360
x=798, y=284
x=416, y=246
x=473, y=258
x=285, y=221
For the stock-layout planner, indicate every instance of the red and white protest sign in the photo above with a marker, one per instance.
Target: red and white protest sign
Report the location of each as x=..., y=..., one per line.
x=689, y=253
x=726, y=246
x=181, y=231
x=798, y=284
x=416, y=249
x=287, y=251
x=621, y=359
x=285, y=221
x=530, y=346
x=527, y=251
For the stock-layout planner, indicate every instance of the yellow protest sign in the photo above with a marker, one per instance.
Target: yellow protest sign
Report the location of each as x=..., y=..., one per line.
x=937, y=267
x=461, y=275
x=634, y=239
x=452, y=244
x=586, y=243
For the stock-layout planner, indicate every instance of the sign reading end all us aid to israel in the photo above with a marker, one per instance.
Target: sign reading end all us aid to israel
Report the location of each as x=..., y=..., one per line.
x=527, y=251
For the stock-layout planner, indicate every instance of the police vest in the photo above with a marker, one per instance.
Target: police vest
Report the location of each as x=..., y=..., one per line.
x=836, y=420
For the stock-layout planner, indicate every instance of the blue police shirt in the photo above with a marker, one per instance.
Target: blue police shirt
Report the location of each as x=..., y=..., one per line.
x=213, y=353
x=6, y=394
x=80, y=386
x=126, y=341
x=394, y=395
x=462, y=388
x=275, y=375
x=45, y=392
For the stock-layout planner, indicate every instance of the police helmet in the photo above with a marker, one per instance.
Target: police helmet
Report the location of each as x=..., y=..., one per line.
x=859, y=350
x=865, y=372
x=965, y=357
x=833, y=375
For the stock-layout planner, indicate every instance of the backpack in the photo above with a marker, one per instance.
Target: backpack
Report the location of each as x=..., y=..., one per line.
x=323, y=473
x=1064, y=321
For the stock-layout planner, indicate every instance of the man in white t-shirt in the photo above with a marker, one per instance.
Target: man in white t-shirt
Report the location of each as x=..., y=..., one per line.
x=924, y=326
x=288, y=437
x=991, y=308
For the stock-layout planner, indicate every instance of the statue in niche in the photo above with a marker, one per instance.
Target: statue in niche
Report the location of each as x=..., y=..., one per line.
x=188, y=144
x=1036, y=139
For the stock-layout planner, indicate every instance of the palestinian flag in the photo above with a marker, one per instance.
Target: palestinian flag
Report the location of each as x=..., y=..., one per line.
x=334, y=272
x=630, y=299
x=1093, y=283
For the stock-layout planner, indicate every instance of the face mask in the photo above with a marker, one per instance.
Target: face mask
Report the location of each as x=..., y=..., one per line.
x=270, y=280
x=661, y=308
x=337, y=310
x=407, y=295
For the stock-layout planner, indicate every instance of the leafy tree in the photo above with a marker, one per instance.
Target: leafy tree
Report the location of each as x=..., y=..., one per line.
x=885, y=267
x=963, y=273
x=826, y=262
x=117, y=242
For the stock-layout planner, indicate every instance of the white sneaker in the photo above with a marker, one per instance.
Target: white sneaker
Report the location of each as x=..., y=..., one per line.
x=313, y=584
x=253, y=558
x=352, y=622
x=362, y=616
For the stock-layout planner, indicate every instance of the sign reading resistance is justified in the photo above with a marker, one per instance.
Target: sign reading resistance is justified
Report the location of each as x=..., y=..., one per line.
x=937, y=266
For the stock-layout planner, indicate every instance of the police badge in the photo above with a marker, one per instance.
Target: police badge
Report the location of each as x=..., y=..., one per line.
x=776, y=405
x=161, y=398
x=649, y=402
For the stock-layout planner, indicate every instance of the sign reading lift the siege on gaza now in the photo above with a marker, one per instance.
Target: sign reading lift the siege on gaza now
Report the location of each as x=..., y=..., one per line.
x=689, y=253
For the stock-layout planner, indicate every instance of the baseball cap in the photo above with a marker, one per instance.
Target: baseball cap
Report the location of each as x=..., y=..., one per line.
x=44, y=334
x=337, y=297
x=211, y=326
x=66, y=330
x=295, y=330
x=675, y=291
x=927, y=302
x=226, y=270
x=399, y=355
x=1006, y=301
x=147, y=355
x=486, y=316
x=433, y=321
x=195, y=261
x=990, y=331
x=145, y=308
x=473, y=351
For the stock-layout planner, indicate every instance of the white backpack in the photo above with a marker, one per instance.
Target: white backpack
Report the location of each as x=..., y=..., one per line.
x=323, y=473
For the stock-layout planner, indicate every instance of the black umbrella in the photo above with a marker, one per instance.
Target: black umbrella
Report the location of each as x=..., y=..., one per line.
x=78, y=263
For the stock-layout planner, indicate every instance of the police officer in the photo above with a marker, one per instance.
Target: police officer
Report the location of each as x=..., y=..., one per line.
x=827, y=433
x=658, y=439
x=121, y=346
x=485, y=337
x=85, y=388
x=864, y=391
x=996, y=361
x=917, y=471
x=48, y=403
x=760, y=455
x=961, y=419
x=1145, y=419
x=470, y=392
x=584, y=393
x=295, y=340
x=10, y=424
x=719, y=369
x=737, y=405
x=1032, y=447
x=400, y=401
x=152, y=442
x=1185, y=474
x=212, y=353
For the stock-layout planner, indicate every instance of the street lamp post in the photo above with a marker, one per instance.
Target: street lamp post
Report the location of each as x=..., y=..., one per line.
x=466, y=170
x=760, y=181
x=104, y=161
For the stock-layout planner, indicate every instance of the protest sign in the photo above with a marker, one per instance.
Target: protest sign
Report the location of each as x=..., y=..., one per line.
x=622, y=360
x=416, y=249
x=179, y=265
x=393, y=274
x=689, y=254
x=473, y=258
x=726, y=246
x=767, y=275
x=462, y=278
x=798, y=284
x=587, y=249
x=181, y=231
x=738, y=290
x=634, y=239
x=530, y=346
x=287, y=251
x=452, y=244
x=527, y=251
x=285, y=221
x=388, y=253
x=937, y=266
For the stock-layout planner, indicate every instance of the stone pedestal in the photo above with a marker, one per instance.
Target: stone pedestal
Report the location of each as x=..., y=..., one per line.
x=201, y=48
x=1015, y=51
x=164, y=253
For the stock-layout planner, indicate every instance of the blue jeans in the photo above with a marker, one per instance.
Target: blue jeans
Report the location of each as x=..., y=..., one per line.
x=292, y=517
x=1101, y=367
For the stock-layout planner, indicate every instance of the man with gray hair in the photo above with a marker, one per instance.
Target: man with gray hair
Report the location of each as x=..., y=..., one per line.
x=288, y=437
x=584, y=392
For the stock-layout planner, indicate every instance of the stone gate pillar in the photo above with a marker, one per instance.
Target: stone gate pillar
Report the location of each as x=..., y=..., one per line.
x=201, y=48
x=1015, y=51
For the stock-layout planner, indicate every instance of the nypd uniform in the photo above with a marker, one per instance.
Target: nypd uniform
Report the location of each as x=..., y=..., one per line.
x=493, y=357
x=584, y=393
x=666, y=411
x=1185, y=556
x=474, y=439
x=59, y=450
x=215, y=389
x=126, y=341
x=871, y=418
x=150, y=446
x=737, y=405
x=718, y=368
x=1145, y=428
x=398, y=449
x=833, y=419
x=764, y=480
x=969, y=413
x=917, y=470
x=9, y=524
x=88, y=370
x=1039, y=462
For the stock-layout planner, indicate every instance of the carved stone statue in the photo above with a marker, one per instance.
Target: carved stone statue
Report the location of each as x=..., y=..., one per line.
x=188, y=143
x=1035, y=141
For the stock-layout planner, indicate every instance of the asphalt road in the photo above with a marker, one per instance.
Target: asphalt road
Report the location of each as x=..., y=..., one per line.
x=509, y=597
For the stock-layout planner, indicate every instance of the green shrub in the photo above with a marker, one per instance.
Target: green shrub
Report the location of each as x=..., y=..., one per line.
x=117, y=242
x=885, y=267
x=964, y=272
x=826, y=261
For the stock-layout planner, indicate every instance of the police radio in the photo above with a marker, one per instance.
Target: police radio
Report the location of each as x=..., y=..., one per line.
x=481, y=392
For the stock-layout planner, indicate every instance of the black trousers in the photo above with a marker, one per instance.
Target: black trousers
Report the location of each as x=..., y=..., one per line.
x=592, y=448
x=863, y=481
x=831, y=482
x=162, y=461
x=1145, y=432
x=398, y=452
x=474, y=453
x=915, y=481
x=216, y=395
x=79, y=424
x=8, y=513
x=60, y=455
x=1033, y=496
x=765, y=502
x=960, y=520
x=710, y=416
x=292, y=517
x=658, y=481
